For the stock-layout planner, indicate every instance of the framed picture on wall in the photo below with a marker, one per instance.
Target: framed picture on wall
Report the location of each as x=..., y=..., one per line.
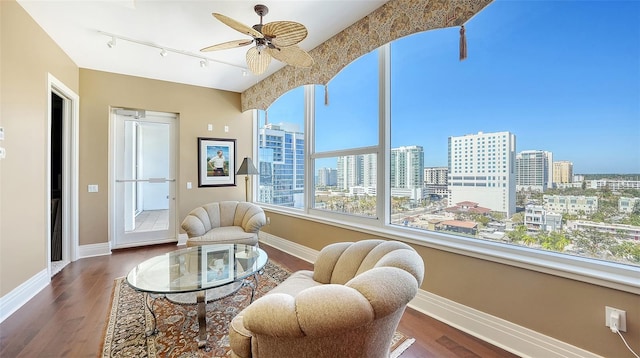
x=216, y=162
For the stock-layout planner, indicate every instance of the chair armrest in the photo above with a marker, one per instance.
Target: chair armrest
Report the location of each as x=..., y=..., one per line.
x=316, y=311
x=193, y=226
x=385, y=288
x=256, y=220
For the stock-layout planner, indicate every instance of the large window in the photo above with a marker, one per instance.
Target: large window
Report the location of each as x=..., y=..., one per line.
x=346, y=138
x=281, y=151
x=527, y=147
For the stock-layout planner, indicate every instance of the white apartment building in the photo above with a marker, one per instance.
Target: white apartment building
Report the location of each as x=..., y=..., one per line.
x=482, y=170
x=407, y=167
x=612, y=184
x=562, y=172
x=536, y=218
x=626, y=205
x=327, y=177
x=618, y=231
x=571, y=204
x=534, y=170
x=435, y=175
x=356, y=170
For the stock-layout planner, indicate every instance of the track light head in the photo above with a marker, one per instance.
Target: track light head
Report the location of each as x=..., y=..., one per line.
x=112, y=43
x=163, y=53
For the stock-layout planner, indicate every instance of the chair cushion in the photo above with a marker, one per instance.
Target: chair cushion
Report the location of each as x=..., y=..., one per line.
x=225, y=235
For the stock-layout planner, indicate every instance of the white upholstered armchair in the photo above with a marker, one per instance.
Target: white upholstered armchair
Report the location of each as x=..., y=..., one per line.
x=226, y=222
x=348, y=306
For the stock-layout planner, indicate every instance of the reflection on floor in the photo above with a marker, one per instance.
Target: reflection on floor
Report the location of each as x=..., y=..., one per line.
x=151, y=220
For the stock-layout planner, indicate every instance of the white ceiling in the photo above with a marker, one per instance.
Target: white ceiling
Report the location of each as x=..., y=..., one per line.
x=78, y=27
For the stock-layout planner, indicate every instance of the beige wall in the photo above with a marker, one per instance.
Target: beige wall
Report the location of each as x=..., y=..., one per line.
x=568, y=310
x=27, y=56
x=196, y=107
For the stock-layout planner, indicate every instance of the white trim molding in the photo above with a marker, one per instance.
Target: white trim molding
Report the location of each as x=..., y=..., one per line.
x=20, y=295
x=92, y=250
x=509, y=336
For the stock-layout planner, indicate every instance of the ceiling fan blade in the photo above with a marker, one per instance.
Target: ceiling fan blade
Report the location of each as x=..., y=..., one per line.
x=284, y=33
x=292, y=55
x=238, y=26
x=227, y=45
x=258, y=61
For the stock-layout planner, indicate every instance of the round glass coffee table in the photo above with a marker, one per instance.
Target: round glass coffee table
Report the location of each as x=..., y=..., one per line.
x=197, y=275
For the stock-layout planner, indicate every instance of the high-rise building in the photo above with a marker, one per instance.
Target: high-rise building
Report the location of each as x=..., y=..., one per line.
x=435, y=182
x=435, y=175
x=281, y=164
x=534, y=170
x=327, y=177
x=562, y=172
x=356, y=170
x=407, y=167
x=482, y=170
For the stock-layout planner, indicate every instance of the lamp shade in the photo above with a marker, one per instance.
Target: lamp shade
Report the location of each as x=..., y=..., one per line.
x=247, y=167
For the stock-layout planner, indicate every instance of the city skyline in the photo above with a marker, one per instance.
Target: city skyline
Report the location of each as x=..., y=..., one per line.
x=539, y=70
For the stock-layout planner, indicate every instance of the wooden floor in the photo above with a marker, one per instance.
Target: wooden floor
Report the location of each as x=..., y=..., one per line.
x=67, y=318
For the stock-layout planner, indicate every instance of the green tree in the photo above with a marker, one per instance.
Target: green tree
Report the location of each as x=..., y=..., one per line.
x=596, y=244
x=627, y=251
x=554, y=241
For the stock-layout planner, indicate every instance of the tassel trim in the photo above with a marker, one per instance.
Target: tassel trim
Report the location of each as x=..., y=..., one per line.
x=463, y=44
x=326, y=95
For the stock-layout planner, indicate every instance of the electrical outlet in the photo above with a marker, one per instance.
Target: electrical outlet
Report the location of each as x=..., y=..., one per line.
x=622, y=325
x=268, y=220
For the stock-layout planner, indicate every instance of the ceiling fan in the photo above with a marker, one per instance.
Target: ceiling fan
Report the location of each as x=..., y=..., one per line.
x=276, y=39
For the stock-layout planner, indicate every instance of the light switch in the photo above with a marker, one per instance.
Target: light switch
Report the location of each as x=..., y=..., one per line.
x=92, y=188
x=226, y=129
x=1, y=133
x=188, y=185
x=209, y=127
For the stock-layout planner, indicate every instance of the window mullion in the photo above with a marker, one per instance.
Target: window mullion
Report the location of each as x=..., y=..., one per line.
x=309, y=146
x=384, y=142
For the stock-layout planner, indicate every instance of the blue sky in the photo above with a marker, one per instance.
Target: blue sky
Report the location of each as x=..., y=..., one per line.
x=563, y=76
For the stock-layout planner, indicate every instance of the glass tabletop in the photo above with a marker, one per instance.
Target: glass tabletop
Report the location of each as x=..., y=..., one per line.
x=197, y=268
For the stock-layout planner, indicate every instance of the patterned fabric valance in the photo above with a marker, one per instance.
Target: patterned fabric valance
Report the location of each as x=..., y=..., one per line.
x=393, y=20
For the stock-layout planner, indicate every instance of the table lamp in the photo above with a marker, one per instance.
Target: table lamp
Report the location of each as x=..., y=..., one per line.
x=247, y=168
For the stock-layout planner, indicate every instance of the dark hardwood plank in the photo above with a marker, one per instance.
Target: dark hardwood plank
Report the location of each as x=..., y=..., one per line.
x=67, y=318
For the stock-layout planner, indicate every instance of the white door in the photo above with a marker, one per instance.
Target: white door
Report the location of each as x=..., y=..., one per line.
x=144, y=188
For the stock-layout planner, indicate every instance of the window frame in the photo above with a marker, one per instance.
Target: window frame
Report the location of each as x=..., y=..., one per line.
x=602, y=273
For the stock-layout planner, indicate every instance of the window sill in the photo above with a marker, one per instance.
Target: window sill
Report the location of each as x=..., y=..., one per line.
x=602, y=273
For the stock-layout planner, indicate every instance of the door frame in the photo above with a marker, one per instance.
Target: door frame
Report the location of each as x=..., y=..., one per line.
x=70, y=120
x=112, y=219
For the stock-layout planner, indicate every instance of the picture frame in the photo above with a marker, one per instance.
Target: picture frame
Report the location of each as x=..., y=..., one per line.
x=218, y=265
x=216, y=162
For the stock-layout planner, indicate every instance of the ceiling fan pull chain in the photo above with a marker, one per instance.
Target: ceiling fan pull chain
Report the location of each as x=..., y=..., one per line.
x=463, y=44
x=326, y=95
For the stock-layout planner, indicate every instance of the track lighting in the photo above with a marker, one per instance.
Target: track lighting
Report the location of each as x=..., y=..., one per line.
x=112, y=43
x=164, y=51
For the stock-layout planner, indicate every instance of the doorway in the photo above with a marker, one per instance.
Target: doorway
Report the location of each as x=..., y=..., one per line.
x=144, y=177
x=57, y=113
x=62, y=176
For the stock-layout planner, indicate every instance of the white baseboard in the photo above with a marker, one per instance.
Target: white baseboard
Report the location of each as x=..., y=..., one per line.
x=15, y=299
x=509, y=336
x=92, y=250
